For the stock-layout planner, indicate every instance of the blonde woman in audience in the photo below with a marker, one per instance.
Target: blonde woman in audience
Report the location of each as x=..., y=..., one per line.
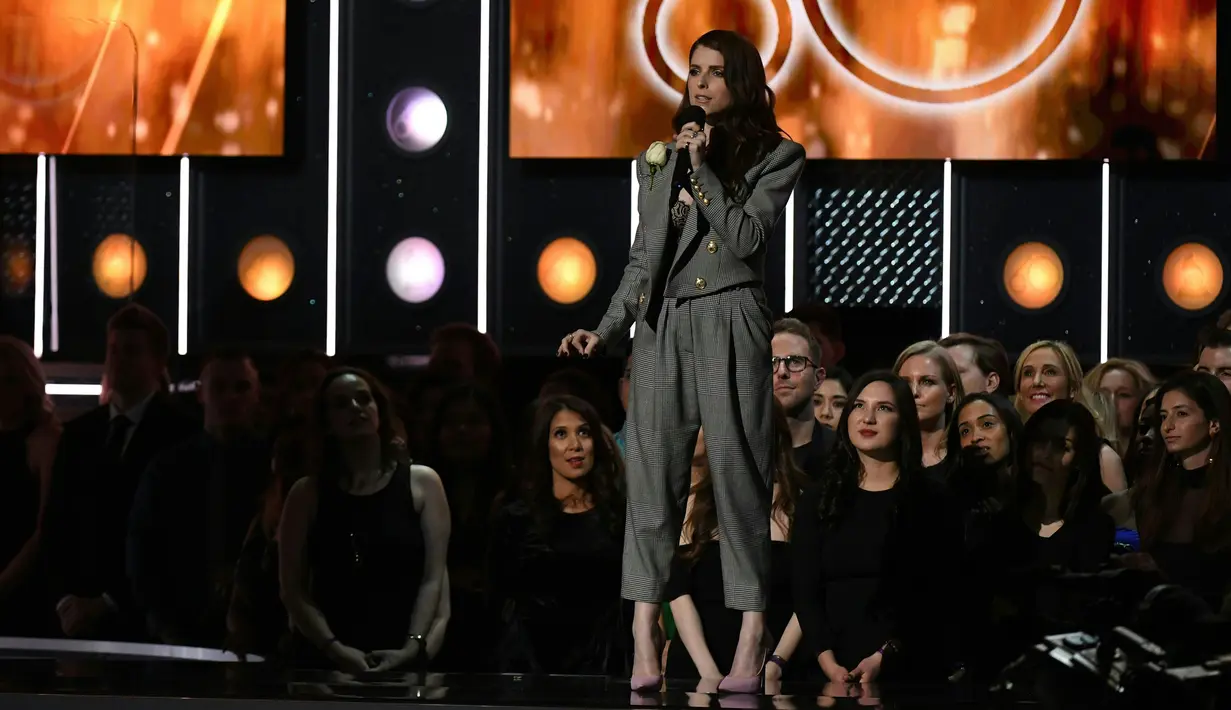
x=933, y=378
x=1048, y=370
x=1124, y=382
x=29, y=434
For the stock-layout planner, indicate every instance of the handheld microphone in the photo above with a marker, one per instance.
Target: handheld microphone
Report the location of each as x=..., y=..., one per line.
x=692, y=114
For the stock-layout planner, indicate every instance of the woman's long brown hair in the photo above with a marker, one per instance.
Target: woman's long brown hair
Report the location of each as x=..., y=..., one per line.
x=702, y=520
x=1156, y=495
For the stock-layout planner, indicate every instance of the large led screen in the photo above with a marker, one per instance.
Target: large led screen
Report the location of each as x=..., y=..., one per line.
x=152, y=77
x=973, y=79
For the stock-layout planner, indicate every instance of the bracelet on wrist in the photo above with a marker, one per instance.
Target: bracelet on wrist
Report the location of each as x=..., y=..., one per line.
x=777, y=661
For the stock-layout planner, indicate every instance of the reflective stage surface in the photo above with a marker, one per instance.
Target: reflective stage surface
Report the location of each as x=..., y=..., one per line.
x=85, y=683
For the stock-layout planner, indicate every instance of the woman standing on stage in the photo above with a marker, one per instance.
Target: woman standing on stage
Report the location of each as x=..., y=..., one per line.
x=701, y=356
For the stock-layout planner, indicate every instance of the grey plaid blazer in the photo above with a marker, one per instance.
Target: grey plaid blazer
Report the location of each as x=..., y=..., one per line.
x=730, y=254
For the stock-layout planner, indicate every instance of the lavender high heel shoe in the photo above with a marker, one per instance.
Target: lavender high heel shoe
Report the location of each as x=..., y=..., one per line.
x=650, y=683
x=749, y=686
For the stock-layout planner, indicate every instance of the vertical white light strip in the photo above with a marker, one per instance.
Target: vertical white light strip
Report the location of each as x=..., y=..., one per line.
x=182, y=311
x=53, y=239
x=331, y=184
x=788, y=271
x=1105, y=269
x=40, y=247
x=946, y=238
x=485, y=38
x=633, y=219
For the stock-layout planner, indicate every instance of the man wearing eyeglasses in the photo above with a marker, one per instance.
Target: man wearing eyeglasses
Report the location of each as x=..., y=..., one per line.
x=797, y=374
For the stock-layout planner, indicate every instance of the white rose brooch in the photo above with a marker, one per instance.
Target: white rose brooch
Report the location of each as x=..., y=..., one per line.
x=656, y=157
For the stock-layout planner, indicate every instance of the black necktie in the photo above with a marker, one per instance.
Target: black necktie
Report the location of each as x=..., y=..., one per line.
x=116, y=434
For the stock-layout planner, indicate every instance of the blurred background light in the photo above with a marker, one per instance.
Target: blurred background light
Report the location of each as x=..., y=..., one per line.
x=119, y=266
x=567, y=270
x=415, y=270
x=266, y=268
x=1192, y=276
x=416, y=119
x=1033, y=275
x=18, y=268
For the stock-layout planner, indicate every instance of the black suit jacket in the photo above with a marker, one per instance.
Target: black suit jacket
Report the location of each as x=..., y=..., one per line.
x=811, y=457
x=87, y=515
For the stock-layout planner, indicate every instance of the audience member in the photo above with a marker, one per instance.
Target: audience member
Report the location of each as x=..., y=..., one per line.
x=1214, y=355
x=363, y=540
x=830, y=398
x=876, y=548
x=1183, y=507
x=626, y=382
x=797, y=377
x=101, y=458
x=557, y=547
x=1124, y=382
x=1048, y=370
x=194, y=507
x=982, y=363
x=933, y=378
x=707, y=629
x=29, y=434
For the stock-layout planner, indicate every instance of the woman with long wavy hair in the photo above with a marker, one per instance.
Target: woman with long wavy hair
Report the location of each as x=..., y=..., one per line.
x=1183, y=506
x=876, y=547
x=1048, y=370
x=363, y=538
x=707, y=629
x=701, y=357
x=29, y=434
x=555, y=556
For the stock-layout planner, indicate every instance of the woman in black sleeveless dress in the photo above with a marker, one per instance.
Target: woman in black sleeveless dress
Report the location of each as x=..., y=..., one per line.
x=362, y=542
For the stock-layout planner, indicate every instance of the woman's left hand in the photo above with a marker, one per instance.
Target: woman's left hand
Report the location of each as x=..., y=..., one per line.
x=692, y=138
x=867, y=670
x=382, y=661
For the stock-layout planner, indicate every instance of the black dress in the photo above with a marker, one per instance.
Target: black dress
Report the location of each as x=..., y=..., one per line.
x=366, y=554
x=883, y=570
x=559, y=593
x=1204, y=571
x=21, y=611
x=702, y=580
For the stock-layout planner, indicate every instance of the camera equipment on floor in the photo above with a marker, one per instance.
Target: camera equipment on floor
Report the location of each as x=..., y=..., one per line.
x=1146, y=645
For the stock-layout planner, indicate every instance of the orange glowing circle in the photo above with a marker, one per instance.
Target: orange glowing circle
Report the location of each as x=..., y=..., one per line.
x=1033, y=275
x=567, y=270
x=266, y=268
x=1192, y=276
x=18, y=269
x=119, y=266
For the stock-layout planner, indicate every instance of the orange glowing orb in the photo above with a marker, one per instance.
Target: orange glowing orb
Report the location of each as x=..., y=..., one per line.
x=1033, y=275
x=567, y=270
x=119, y=266
x=266, y=268
x=18, y=269
x=1192, y=276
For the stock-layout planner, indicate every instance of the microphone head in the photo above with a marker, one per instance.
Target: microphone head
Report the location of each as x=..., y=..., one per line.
x=691, y=114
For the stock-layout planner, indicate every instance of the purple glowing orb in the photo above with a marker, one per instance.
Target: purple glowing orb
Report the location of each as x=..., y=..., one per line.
x=415, y=270
x=416, y=119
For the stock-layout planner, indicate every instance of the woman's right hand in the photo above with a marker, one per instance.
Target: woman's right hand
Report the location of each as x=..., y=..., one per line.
x=834, y=672
x=583, y=341
x=351, y=660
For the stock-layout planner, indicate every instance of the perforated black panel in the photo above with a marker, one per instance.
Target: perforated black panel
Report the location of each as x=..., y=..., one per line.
x=874, y=234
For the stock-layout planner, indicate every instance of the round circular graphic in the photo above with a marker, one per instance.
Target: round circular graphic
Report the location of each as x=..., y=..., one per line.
x=1024, y=60
x=415, y=270
x=567, y=270
x=1033, y=275
x=1192, y=276
x=266, y=268
x=667, y=69
x=119, y=266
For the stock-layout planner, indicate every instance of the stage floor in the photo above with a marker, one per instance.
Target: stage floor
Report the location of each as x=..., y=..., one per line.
x=87, y=684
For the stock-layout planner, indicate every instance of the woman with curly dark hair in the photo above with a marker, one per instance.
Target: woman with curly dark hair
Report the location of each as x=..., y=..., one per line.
x=876, y=546
x=363, y=538
x=556, y=549
x=706, y=628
